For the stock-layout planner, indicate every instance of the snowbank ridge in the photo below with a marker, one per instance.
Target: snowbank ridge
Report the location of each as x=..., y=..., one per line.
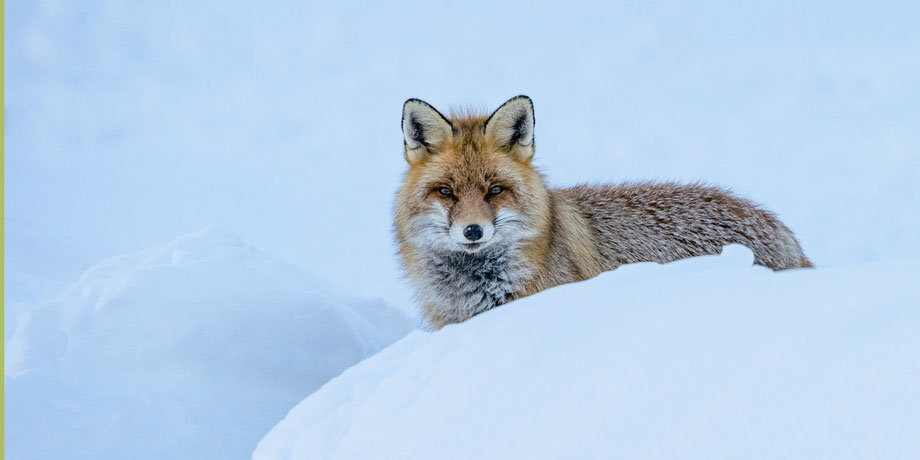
x=192, y=349
x=702, y=358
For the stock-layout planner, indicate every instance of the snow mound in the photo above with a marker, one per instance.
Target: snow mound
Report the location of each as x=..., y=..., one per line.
x=188, y=350
x=702, y=358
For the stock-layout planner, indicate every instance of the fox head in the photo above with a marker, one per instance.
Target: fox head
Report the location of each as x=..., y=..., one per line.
x=470, y=183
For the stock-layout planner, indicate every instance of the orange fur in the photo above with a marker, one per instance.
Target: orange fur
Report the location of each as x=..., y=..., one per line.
x=538, y=237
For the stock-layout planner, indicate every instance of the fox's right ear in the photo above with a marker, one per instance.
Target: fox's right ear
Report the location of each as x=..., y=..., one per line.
x=424, y=128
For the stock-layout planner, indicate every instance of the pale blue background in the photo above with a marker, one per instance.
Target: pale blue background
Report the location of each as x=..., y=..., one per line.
x=129, y=123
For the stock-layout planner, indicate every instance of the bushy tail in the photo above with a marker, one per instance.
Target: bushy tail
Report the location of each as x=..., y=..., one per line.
x=790, y=251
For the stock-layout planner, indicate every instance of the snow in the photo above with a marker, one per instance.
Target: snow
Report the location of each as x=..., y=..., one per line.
x=191, y=349
x=129, y=123
x=702, y=358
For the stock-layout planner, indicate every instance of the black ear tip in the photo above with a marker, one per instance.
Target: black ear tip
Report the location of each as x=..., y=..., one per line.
x=524, y=97
x=415, y=101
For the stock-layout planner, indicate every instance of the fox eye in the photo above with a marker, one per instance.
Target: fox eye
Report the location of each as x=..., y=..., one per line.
x=446, y=191
x=495, y=190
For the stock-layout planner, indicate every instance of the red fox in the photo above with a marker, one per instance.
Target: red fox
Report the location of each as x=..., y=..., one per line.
x=477, y=227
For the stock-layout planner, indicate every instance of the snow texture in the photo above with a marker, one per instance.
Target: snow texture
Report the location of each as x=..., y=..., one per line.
x=129, y=123
x=192, y=349
x=703, y=358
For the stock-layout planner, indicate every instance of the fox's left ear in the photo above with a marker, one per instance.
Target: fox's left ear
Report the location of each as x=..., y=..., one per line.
x=512, y=127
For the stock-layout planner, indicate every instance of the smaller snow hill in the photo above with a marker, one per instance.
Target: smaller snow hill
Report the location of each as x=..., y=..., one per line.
x=705, y=358
x=193, y=349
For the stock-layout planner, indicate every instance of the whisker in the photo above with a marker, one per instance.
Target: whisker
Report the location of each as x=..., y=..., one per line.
x=507, y=221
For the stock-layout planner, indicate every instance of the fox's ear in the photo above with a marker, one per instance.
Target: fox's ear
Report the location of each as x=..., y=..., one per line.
x=512, y=127
x=424, y=129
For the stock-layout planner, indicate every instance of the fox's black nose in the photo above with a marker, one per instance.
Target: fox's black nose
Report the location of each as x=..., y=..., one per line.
x=472, y=232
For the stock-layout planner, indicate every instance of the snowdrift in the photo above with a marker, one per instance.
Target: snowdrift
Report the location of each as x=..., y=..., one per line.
x=702, y=358
x=189, y=350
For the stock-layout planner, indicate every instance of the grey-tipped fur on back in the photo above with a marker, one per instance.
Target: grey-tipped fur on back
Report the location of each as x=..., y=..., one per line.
x=663, y=222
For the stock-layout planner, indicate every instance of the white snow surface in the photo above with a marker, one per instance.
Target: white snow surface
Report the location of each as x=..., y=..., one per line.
x=192, y=349
x=704, y=358
x=128, y=123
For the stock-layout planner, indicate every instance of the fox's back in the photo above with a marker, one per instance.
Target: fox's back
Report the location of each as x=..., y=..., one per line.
x=663, y=222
